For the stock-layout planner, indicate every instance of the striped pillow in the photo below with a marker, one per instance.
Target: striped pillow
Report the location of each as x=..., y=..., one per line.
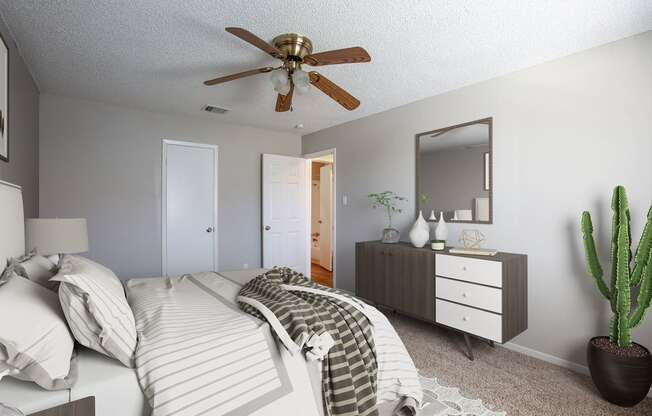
x=38, y=346
x=94, y=302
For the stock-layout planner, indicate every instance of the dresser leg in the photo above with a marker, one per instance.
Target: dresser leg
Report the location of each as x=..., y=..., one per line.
x=469, y=349
x=492, y=344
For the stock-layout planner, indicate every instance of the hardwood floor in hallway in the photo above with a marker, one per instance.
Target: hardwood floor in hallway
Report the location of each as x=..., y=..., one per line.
x=321, y=275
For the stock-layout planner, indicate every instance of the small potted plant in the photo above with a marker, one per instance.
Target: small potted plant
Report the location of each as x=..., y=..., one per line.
x=621, y=369
x=389, y=201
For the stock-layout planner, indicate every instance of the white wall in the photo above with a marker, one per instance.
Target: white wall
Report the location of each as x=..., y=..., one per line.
x=103, y=162
x=565, y=133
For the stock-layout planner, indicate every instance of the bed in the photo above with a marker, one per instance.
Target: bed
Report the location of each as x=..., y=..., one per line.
x=116, y=388
x=117, y=391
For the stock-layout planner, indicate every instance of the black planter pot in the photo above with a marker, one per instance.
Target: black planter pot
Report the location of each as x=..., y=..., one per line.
x=624, y=381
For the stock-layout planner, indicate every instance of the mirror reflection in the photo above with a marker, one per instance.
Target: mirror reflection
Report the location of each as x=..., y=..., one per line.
x=454, y=173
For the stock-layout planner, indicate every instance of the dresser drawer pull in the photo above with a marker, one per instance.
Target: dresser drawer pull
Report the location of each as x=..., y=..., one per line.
x=465, y=295
x=464, y=268
x=465, y=318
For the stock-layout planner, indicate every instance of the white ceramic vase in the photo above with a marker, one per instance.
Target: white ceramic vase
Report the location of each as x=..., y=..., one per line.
x=441, y=233
x=420, y=232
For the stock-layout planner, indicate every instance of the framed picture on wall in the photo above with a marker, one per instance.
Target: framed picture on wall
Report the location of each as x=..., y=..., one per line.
x=4, y=100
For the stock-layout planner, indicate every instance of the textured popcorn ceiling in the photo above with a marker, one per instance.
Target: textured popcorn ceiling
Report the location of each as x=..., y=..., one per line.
x=154, y=54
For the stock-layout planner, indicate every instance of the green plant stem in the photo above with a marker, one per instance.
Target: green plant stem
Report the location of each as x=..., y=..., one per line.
x=625, y=277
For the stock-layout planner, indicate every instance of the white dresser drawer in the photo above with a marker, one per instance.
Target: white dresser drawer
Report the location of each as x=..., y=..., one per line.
x=474, y=321
x=485, y=272
x=483, y=297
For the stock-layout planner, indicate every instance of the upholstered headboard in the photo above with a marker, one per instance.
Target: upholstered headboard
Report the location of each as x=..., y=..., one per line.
x=12, y=223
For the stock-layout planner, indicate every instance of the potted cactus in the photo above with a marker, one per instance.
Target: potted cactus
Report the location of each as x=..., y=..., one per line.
x=621, y=369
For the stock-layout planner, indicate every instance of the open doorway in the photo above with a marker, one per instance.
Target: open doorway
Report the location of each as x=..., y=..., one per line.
x=322, y=217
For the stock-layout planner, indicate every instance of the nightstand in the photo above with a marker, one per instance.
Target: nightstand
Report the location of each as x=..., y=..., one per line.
x=81, y=407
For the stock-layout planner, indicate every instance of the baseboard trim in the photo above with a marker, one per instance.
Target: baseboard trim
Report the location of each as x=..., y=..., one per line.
x=578, y=368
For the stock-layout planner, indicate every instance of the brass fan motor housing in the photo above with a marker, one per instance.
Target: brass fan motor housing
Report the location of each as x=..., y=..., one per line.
x=294, y=46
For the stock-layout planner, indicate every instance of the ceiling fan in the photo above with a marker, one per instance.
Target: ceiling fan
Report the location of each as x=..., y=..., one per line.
x=295, y=50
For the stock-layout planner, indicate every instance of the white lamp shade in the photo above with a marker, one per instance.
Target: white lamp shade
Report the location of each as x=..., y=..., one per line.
x=56, y=235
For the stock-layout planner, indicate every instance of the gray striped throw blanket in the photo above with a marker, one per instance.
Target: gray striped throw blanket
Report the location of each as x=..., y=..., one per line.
x=332, y=326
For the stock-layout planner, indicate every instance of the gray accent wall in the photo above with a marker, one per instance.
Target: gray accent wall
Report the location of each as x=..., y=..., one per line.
x=565, y=133
x=22, y=168
x=103, y=163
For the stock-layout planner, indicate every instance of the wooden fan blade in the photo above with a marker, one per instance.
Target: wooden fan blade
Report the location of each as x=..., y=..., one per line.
x=284, y=102
x=252, y=39
x=231, y=77
x=340, y=56
x=327, y=86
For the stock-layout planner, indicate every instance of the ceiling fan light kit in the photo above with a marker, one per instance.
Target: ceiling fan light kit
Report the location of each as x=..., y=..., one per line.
x=295, y=50
x=281, y=82
x=301, y=81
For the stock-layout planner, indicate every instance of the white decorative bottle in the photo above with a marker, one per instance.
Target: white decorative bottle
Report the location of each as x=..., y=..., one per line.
x=420, y=232
x=441, y=233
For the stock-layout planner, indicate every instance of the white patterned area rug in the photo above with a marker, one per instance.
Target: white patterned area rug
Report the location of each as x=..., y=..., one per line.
x=444, y=401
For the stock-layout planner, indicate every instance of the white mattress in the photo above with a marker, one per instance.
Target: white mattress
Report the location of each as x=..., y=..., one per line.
x=114, y=386
x=28, y=396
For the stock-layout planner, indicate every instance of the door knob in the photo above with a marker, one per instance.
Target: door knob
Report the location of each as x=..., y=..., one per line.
x=267, y=228
x=209, y=230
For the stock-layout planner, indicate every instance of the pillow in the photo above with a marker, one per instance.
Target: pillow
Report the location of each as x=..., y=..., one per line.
x=9, y=271
x=94, y=303
x=37, y=347
x=39, y=270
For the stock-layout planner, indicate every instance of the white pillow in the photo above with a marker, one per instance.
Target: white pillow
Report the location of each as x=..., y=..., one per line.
x=94, y=303
x=38, y=269
x=35, y=343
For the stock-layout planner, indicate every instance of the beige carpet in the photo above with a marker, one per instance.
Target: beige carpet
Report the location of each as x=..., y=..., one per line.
x=503, y=379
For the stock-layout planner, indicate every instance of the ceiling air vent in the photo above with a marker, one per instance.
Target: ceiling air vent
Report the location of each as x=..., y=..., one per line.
x=215, y=109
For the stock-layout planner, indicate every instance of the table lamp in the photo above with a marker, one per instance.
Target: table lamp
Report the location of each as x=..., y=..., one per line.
x=53, y=237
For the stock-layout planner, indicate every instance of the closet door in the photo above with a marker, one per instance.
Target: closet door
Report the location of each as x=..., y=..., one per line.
x=189, y=208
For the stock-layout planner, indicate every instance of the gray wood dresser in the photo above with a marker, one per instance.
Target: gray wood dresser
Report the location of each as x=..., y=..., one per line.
x=483, y=296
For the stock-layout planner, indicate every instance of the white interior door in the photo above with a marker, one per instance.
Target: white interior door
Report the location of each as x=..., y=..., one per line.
x=326, y=217
x=189, y=208
x=286, y=213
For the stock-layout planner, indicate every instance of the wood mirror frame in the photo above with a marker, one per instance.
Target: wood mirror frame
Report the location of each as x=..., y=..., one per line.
x=489, y=122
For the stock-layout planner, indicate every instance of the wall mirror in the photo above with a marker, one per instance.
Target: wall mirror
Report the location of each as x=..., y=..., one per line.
x=454, y=173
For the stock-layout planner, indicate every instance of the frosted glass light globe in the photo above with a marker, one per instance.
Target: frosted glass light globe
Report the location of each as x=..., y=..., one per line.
x=281, y=82
x=301, y=81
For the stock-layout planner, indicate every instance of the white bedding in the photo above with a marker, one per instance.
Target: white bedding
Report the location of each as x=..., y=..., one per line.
x=117, y=392
x=199, y=354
